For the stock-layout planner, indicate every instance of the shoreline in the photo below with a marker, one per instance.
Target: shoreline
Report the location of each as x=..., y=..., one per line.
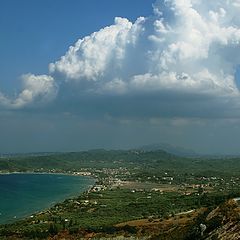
x=71, y=196
x=54, y=173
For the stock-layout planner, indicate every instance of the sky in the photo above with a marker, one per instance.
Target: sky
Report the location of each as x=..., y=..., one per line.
x=78, y=75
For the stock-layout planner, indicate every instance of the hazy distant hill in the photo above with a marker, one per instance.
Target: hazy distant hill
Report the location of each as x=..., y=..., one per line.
x=32, y=154
x=176, y=150
x=145, y=161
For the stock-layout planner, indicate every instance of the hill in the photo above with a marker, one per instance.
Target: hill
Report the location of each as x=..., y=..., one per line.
x=153, y=162
x=175, y=150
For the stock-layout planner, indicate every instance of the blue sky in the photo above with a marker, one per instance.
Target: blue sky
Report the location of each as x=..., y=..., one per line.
x=119, y=74
x=35, y=32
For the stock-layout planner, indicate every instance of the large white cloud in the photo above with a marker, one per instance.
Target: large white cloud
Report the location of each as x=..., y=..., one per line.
x=100, y=53
x=195, y=47
x=185, y=47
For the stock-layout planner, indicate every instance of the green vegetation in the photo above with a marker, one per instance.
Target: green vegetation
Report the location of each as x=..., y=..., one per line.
x=152, y=162
x=101, y=211
x=131, y=185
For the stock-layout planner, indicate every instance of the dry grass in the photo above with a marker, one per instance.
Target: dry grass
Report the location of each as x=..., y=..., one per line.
x=149, y=186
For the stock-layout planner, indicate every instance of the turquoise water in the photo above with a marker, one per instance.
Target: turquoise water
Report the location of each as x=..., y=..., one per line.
x=24, y=194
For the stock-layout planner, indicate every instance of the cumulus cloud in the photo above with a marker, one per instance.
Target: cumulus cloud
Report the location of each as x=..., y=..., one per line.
x=186, y=48
x=189, y=51
x=36, y=89
x=92, y=57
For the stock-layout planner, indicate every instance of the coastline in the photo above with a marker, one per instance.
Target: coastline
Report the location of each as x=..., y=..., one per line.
x=54, y=202
x=55, y=173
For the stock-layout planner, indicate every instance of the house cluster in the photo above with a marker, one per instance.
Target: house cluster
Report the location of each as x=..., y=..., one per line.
x=98, y=188
x=82, y=173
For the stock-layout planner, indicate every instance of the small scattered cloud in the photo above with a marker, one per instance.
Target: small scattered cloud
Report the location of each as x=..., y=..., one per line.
x=37, y=89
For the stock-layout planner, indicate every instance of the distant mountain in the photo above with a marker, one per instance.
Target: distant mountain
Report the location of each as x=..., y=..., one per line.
x=31, y=154
x=176, y=150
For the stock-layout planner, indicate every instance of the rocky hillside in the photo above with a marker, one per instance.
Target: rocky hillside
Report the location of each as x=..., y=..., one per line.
x=224, y=222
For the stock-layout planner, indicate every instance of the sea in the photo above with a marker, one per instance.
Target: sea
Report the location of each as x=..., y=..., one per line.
x=24, y=194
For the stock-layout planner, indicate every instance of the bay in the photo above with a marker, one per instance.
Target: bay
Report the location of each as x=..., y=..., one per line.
x=24, y=194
